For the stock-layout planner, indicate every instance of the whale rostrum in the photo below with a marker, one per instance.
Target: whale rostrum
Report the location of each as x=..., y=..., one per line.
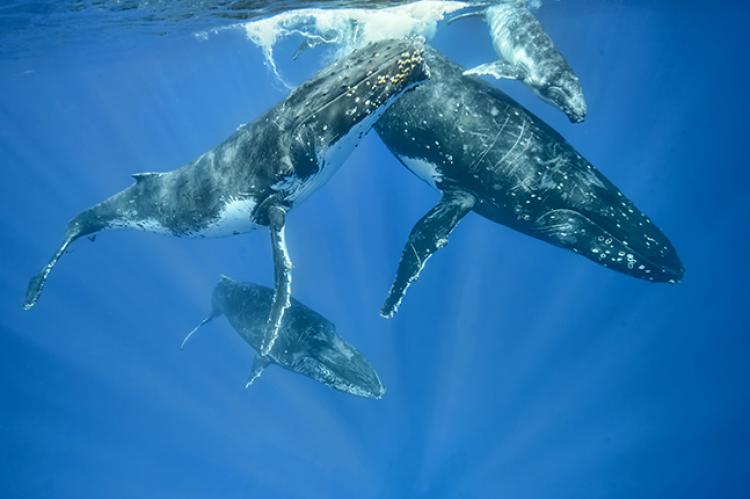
x=264, y=169
x=528, y=54
x=307, y=344
x=486, y=153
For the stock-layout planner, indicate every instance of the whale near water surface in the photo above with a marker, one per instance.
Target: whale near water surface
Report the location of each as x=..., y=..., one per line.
x=485, y=153
x=267, y=167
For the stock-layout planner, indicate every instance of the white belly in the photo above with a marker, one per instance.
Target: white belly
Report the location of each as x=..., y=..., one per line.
x=423, y=169
x=235, y=218
x=330, y=160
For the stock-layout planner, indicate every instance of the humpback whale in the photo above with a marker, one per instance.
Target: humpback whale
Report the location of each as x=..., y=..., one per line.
x=264, y=169
x=307, y=342
x=527, y=53
x=486, y=153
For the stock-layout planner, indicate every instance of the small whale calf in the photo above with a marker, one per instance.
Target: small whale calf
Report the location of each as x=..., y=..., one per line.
x=266, y=168
x=486, y=153
x=307, y=342
x=528, y=54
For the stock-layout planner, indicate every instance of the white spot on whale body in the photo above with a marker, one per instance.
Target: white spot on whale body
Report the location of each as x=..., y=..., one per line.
x=146, y=225
x=230, y=152
x=235, y=218
x=423, y=169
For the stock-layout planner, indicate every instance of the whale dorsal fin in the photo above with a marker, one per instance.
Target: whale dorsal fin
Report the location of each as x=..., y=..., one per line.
x=140, y=177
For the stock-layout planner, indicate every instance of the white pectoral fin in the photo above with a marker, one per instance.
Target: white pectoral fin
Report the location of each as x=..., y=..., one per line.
x=428, y=235
x=259, y=365
x=307, y=44
x=466, y=15
x=283, y=277
x=497, y=69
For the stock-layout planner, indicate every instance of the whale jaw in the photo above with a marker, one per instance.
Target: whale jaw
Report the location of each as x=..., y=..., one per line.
x=339, y=365
x=640, y=250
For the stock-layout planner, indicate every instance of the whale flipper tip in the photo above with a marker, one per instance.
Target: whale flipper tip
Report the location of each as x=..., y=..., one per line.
x=388, y=312
x=205, y=321
x=34, y=291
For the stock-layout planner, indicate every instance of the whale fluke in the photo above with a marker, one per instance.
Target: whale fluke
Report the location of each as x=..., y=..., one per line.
x=428, y=235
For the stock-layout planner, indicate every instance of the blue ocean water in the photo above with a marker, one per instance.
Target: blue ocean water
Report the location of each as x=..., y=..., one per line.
x=514, y=369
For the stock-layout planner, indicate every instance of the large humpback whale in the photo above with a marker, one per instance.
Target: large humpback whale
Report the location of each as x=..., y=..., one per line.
x=528, y=54
x=268, y=166
x=307, y=343
x=486, y=153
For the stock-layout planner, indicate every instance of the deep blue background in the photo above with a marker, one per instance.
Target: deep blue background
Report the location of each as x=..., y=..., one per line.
x=514, y=369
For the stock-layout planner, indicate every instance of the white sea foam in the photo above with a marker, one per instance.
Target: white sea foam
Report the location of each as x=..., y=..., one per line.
x=347, y=29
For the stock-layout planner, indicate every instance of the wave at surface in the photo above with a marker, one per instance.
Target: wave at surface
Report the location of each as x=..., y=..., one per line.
x=35, y=26
x=347, y=28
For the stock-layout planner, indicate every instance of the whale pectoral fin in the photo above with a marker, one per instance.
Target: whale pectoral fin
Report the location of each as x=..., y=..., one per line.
x=283, y=276
x=214, y=314
x=302, y=47
x=497, y=69
x=259, y=364
x=36, y=284
x=466, y=15
x=428, y=235
x=306, y=45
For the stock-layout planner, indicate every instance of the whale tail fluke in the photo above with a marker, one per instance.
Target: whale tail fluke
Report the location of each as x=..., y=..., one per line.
x=85, y=224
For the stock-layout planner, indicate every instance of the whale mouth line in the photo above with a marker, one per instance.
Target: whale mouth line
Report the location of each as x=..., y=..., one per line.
x=675, y=274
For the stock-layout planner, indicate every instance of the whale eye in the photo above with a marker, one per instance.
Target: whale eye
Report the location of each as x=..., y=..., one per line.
x=555, y=93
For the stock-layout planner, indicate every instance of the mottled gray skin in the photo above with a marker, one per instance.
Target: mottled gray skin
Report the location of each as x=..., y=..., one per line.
x=491, y=156
x=528, y=54
x=267, y=166
x=307, y=342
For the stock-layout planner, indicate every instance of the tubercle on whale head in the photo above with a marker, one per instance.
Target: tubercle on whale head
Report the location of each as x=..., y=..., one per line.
x=359, y=86
x=308, y=344
x=221, y=293
x=638, y=248
x=230, y=296
x=332, y=361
